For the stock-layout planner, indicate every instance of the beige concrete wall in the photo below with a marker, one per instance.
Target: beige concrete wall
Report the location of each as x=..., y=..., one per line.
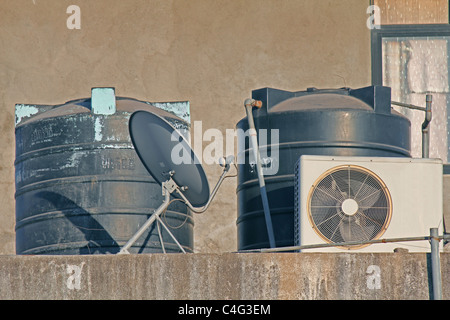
x=267, y=276
x=210, y=52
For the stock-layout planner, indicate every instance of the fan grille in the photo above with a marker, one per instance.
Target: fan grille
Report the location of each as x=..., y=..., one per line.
x=349, y=203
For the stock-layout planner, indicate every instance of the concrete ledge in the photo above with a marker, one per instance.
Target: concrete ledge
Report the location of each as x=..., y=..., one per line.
x=239, y=276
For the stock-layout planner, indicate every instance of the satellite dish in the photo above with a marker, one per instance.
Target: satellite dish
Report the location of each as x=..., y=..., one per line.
x=163, y=149
x=169, y=159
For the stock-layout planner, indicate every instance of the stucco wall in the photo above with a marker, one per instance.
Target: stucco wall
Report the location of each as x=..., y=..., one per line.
x=249, y=276
x=211, y=53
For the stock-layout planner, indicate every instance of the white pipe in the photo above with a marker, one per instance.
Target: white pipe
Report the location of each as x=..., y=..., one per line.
x=249, y=104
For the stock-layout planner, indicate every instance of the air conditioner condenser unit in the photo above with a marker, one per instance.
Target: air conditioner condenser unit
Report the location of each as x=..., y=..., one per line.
x=359, y=199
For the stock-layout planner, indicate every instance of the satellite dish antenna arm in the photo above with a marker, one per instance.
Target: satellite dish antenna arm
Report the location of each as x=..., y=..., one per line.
x=226, y=164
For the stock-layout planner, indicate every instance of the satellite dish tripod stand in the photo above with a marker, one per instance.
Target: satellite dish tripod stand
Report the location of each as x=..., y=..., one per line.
x=168, y=187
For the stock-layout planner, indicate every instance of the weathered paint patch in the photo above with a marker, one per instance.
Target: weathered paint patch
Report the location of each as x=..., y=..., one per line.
x=98, y=129
x=180, y=109
x=24, y=111
x=73, y=161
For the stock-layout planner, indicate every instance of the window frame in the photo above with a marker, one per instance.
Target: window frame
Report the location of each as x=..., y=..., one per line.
x=400, y=30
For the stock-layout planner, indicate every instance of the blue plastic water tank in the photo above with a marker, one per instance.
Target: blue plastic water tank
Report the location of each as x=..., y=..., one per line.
x=344, y=122
x=80, y=186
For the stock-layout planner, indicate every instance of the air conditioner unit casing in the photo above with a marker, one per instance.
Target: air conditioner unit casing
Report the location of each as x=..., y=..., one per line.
x=414, y=186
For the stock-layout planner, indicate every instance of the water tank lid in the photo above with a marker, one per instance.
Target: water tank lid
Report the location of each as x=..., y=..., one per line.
x=103, y=101
x=371, y=98
x=320, y=101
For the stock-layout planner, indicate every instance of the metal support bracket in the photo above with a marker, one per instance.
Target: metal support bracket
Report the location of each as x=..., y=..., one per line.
x=425, y=124
x=168, y=187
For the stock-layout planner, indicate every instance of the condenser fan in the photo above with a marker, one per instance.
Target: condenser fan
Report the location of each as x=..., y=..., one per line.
x=349, y=203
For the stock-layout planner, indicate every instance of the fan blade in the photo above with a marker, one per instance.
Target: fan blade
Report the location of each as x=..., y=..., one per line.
x=354, y=230
x=368, y=219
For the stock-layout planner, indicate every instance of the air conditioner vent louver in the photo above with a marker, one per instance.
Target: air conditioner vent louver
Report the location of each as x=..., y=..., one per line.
x=349, y=203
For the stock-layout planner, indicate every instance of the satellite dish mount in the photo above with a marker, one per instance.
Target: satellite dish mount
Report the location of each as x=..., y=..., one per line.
x=152, y=137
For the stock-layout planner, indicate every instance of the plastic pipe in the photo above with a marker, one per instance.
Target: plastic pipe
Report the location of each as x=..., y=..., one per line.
x=249, y=104
x=426, y=128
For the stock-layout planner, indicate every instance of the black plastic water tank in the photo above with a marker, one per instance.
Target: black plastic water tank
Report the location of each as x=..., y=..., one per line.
x=342, y=122
x=80, y=186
